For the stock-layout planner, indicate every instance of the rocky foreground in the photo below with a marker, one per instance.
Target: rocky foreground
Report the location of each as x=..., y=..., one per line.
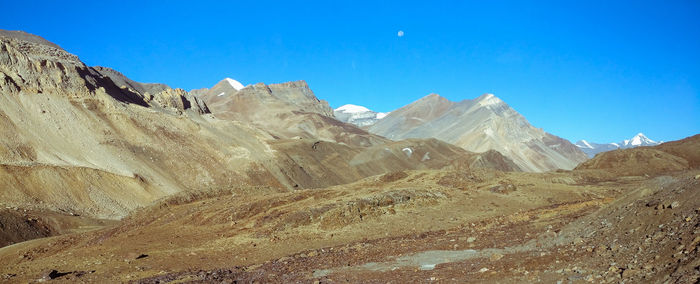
x=444, y=226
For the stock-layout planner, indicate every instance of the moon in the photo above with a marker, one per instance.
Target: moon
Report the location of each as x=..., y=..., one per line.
x=400, y=34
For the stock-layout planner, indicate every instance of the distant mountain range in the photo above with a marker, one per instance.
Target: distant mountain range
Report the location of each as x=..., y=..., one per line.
x=591, y=149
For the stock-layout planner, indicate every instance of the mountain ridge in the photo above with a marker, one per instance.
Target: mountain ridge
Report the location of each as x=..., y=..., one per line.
x=591, y=149
x=478, y=125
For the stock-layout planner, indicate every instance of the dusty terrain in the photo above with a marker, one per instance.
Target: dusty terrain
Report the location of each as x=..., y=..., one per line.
x=429, y=225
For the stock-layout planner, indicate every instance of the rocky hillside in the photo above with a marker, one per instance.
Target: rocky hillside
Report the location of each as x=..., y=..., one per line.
x=478, y=125
x=287, y=110
x=667, y=157
x=72, y=139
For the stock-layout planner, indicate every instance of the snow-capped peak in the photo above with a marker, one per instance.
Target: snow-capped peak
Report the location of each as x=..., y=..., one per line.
x=640, y=139
x=352, y=109
x=593, y=148
x=235, y=84
x=358, y=115
x=488, y=99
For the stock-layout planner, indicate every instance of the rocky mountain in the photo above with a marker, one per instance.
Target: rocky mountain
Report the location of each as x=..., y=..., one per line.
x=591, y=149
x=358, y=115
x=287, y=110
x=478, y=125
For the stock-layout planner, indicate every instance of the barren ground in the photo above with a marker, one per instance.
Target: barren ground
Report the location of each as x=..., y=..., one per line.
x=420, y=226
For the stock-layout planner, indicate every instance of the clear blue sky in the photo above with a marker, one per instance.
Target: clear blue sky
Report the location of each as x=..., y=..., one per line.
x=599, y=70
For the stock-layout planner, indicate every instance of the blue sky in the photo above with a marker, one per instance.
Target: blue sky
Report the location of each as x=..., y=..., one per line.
x=595, y=70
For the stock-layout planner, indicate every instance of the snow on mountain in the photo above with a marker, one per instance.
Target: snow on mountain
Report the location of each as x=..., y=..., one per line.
x=591, y=149
x=352, y=109
x=639, y=140
x=584, y=144
x=235, y=84
x=358, y=115
x=479, y=125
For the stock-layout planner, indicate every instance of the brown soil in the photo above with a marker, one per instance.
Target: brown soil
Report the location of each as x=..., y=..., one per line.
x=536, y=230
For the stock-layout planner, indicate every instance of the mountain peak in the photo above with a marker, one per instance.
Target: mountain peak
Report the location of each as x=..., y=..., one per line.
x=350, y=108
x=641, y=140
x=358, y=115
x=594, y=148
x=235, y=84
x=488, y=99
x=433, y=97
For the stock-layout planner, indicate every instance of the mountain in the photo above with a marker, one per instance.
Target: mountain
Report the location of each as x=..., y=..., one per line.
x=287, y=110
x=638, y=140
x=478, y=125
x=90, y=141
x=358, y=115
x=591, y=149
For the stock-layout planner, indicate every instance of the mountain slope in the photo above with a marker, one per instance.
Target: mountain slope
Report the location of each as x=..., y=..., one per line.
x=478, y=125
x=591, y=149
x=287, y=110
x=654, y=160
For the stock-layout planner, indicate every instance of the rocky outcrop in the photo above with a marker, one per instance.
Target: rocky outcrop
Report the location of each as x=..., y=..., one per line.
x=30, y=64
x=123, y=82
x=177, y=100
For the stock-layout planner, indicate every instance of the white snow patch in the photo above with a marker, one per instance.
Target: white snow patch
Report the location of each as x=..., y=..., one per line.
x=586, y=144
x=352, y=108
x=222, y=93
x=235, y=84
x=408, y=151
x=425, y=157
x=636, y=141
x=489, y=99
x=641, y=139
x=381, y=115
x=488, y=131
